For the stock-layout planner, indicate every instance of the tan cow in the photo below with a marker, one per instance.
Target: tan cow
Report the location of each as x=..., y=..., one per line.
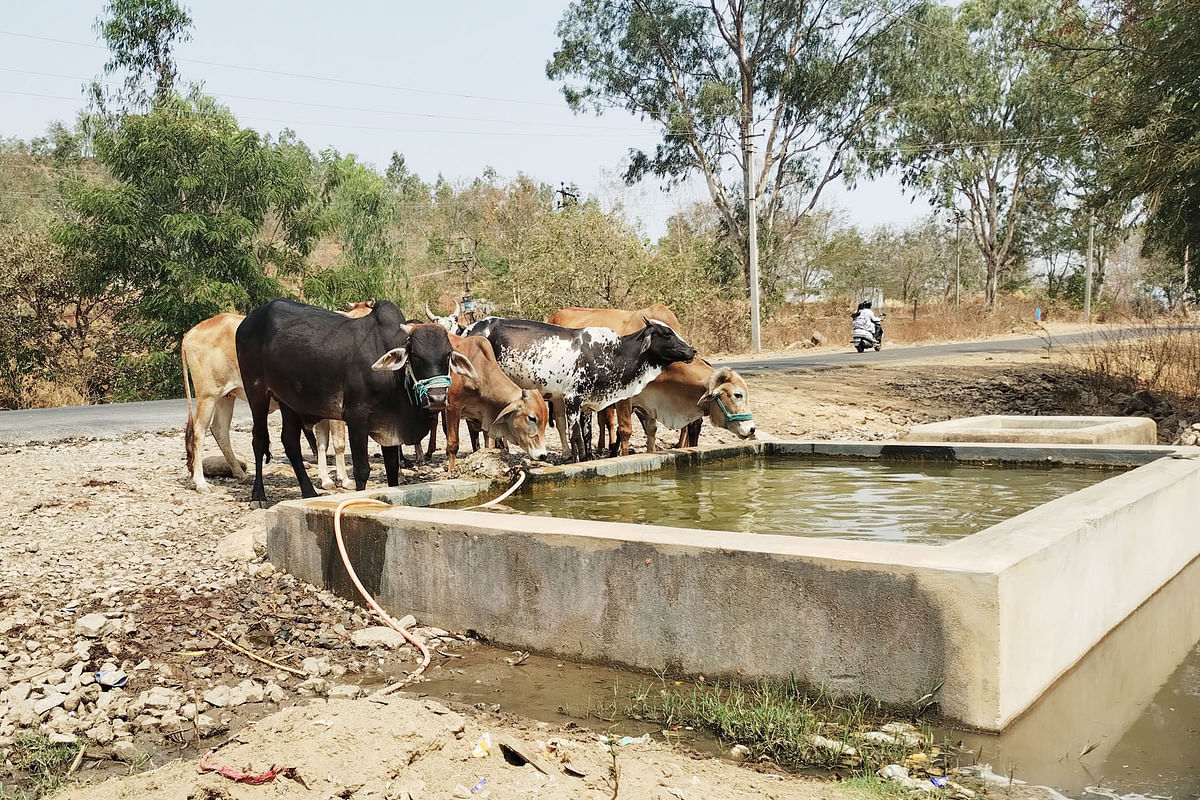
x=686, y=393
x=210, y=366
x=493, y=404
x=622, y=321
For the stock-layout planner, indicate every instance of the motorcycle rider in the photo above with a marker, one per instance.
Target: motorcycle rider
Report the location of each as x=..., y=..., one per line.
x=866, y=322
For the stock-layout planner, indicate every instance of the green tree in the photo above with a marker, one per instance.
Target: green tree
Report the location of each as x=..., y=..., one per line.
x=995, y=120
x=1138, y=59
x=580, y=256
x=359, y=210
x=201, y=216
x=141, y=36
x=810, y=80
x=58, y=344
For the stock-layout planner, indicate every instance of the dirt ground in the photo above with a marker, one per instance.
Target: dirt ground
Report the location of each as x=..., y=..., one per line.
x=110, y=563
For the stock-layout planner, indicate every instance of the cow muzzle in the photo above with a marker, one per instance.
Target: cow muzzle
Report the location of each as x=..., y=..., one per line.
x=431, y=393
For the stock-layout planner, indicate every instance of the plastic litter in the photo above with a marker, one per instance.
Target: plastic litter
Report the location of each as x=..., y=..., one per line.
x=111, y=679
x=483, y=747
x=625, y=741
x=478, y=786
x=939, y=782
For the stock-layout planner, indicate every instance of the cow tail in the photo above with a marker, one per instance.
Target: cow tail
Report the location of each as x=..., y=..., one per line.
x=190, y=429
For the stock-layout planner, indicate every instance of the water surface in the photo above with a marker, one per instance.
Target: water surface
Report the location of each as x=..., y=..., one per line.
x=928, y=502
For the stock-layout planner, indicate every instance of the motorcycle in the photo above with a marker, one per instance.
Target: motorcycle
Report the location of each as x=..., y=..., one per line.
x=861, y=340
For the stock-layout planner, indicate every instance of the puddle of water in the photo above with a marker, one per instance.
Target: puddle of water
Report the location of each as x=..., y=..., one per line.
x=924, y=502
x=1133, y=704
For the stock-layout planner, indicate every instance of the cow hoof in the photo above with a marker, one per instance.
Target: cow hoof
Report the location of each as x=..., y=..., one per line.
x=259, y=504
x=203, y=488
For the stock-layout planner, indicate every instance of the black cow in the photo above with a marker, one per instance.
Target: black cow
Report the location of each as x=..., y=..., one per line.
x=581, y=368
x=379, y=374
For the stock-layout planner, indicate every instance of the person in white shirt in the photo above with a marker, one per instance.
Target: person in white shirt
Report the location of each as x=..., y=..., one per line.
x=865, y=320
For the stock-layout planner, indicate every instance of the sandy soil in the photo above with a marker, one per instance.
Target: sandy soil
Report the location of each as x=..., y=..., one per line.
x=113, y=528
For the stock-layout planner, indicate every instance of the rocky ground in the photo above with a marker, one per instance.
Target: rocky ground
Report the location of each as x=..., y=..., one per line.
x=130, y=606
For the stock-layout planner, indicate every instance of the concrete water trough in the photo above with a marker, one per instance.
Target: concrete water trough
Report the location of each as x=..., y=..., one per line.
x=994, y=618
x=1039, y=430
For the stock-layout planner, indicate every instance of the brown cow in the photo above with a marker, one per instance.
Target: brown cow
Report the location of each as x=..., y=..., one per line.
x=210, y=365
x=686, y=393
x=623, y=322
x=493, y=404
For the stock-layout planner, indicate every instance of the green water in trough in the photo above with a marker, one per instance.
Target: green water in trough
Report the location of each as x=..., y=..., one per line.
x=926, y=502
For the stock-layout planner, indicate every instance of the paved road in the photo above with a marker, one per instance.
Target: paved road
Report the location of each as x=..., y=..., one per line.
x=850, y=358
x=124, y=419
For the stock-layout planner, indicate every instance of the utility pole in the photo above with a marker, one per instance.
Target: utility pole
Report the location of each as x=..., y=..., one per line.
x=466, y=260
x=1087, y=274
x=752, y=243
x=569, y=198
x=1187, y=251
x=957, y=256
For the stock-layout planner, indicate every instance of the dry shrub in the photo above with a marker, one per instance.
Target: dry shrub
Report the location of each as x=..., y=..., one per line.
x=51, y=394
x=1163, y=359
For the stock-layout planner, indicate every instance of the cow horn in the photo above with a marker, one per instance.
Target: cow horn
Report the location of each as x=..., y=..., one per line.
x=508, y=409
x=429, y=313
x=720, y=375
x=408, y=329
x=457, y=310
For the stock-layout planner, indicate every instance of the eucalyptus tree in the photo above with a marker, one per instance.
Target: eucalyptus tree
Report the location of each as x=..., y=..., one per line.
x=141, y=36
x=802, y=82
x=1139, y=59
x=995, y=122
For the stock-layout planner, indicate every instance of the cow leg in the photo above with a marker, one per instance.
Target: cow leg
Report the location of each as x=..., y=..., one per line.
x=585, y=431
x=433, y=426
x=693, y=432
x=321, y=433
x=624, y=426
x=260, y=406
x=391, y=463
x=222, y=418
x=292, y=427
x=571, y=422
x=450, y=419
x=650, y=426
x=358, y=453
x=604, y=427
x=337, y=432
x=195, y=444
x=564, y=433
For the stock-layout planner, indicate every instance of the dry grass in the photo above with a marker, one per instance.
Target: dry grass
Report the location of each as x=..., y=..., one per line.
x=724, y=327
x=1162, y=359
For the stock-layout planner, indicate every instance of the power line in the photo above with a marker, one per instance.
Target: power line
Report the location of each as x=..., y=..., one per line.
x=303, y=76
x=538, y=133
x=349, y=108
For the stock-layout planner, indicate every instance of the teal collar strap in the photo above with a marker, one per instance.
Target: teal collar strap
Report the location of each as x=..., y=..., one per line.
x=729, y=417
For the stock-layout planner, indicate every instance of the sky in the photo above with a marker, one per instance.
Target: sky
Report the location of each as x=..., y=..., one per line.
x=456, y=87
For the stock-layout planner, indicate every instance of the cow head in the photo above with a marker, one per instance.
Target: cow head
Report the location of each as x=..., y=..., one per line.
x=662, y=345
x=427, y=360
x=728, y=402
x=523, y=421
x=448, y=323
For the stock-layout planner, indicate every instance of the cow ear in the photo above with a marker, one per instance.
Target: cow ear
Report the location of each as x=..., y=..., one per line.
x=647, y=336
x=705, y=399
x=392, y=360
x=462, y=365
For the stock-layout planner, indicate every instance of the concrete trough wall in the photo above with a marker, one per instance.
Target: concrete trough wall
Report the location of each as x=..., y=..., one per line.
x=995, y=618
x=1039, y=430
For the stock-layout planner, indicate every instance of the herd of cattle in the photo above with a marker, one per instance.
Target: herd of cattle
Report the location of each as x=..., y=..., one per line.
x=369, y=373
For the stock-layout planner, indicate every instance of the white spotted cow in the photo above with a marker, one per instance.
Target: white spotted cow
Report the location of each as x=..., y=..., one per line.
x=582, y=369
